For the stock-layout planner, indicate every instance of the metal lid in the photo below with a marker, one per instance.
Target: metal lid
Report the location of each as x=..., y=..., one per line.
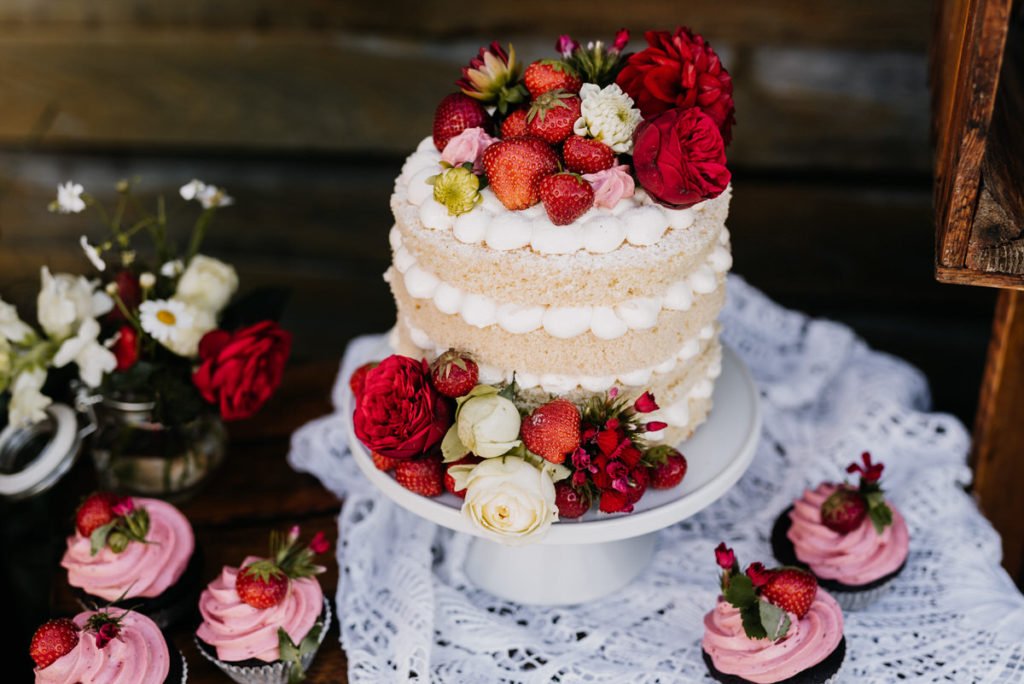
x=34, y=457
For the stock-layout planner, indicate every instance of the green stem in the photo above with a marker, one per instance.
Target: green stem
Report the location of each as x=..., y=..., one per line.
x=161, y=230
x=198, y=234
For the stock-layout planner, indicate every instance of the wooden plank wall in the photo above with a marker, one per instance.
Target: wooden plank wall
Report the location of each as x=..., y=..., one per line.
x=304, y=110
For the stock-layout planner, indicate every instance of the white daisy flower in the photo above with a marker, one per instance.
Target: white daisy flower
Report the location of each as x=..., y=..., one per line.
x=92, y=253
x=608, y=115
x=69, y=198
x=175, y=324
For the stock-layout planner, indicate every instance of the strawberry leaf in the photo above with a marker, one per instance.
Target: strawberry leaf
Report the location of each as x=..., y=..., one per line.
x=290, y=653
x=740, y=592
x=751, y=616
x=881, y=516
x=773, y=619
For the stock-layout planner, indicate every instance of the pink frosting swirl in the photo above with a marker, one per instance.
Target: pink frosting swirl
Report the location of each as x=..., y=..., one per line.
x=139, y=655
x=239, y=632
x=809, y=641
x=141, y=570
x=611, y=185
x=859, y=557
x=468, y=146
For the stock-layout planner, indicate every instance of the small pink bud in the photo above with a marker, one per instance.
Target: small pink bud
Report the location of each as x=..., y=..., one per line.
x=106, y=632
x=319, y=544
x=758, y=575
x=293, y=534
x=655, y=425
x=724, y=556
x=123, y=507
x=566, y=45
x=645, y=403
x=613, y=392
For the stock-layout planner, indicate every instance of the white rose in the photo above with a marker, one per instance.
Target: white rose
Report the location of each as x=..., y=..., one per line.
x=207, y=283
x=11, y=326
x=185, y=340
x=608, y=115
x=28, y=403
x=66, y=300
x=488, y=425
x=510, y=500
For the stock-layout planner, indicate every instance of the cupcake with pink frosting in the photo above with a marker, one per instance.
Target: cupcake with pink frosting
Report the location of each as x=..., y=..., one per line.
x=772, y=626
x=133, y=552
x=109, y=646
x=264, y=621
x=853, y=541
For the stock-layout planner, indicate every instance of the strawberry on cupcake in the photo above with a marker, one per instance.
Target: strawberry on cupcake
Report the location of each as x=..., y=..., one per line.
x=771, y=625
x=850, y=537
x=265, y=620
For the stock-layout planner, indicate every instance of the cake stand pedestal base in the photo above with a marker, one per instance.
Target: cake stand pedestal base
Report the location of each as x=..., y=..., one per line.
x=549, y=574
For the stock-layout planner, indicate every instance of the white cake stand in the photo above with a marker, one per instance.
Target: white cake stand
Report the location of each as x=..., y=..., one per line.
x=609, y=550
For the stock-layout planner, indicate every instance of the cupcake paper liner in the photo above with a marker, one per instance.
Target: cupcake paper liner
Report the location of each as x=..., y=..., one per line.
x=858, y=599
x=184, y=669
x=270, y=673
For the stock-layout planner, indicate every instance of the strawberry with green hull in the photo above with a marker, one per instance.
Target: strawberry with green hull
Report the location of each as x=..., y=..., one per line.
x=456, y=113
x=771, y=625
x=586, y=155
x=263, y=622
x=850, y=537
x=553, y=115
x=566, y=197
x=454, y=374
x=546, y=75
x=515, y=167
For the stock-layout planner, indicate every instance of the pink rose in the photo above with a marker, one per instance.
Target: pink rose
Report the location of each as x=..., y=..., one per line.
x=468, y=146
x=611, y=185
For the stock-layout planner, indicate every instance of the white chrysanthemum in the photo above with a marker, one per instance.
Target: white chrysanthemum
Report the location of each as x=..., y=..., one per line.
x=69, y=198
x=175, y=324
x=28, y=403
x=92, y=358
x=92, y=253
x=608, y=115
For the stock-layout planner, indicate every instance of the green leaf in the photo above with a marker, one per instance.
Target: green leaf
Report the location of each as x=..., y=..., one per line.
x=291, y=653
x=312, y=640
x=118, y=541
x=98, y=538
x=751, y=616
x=881, y=517
x=773, y=619
x=452, y=448
x=740, y=592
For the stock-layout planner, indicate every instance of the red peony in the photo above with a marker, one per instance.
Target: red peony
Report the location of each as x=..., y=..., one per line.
x=679, y=158
x=399, y=413
x=239, y=371
x=679, y=70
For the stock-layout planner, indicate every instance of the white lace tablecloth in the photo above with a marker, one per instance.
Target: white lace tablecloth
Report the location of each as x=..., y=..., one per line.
x=408, y=612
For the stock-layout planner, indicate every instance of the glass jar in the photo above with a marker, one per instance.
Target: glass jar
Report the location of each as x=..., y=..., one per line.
x=136, y=454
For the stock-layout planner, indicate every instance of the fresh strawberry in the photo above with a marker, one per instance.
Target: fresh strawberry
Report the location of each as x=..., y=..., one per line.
x=571, y=502
x=358, y=378
x=383, y=462
x=552, y=116
x=54, y=639
x=550, y=74
x=791, y=589
x=96, y=511
x=670, y=472
x=449, y=481
x=456, y=113
x=844, y=510
x=566, y=197
x=454, y=374
x=514, y=124
x=264, y=583
x=423, y=476
x=261, y=587
x=586, y=155
x=552, y=430
x=515, y=167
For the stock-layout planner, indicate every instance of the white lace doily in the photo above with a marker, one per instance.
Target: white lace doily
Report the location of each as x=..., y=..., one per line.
x=408, y=613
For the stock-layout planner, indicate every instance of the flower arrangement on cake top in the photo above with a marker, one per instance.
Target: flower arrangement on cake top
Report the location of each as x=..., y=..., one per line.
x=585, y=127
x=518, y=469
x=157, y=323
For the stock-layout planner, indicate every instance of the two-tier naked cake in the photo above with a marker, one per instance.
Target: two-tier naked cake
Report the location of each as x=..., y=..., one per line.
x=559, y=257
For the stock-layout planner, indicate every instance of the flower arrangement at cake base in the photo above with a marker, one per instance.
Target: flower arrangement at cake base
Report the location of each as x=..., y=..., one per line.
x=158, y=347
x=519, y=468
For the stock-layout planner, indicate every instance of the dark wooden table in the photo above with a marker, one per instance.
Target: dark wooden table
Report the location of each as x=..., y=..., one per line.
x=254, y=492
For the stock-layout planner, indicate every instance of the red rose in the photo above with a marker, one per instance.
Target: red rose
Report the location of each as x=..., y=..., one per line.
x=679, y=70
x=239, y=371
x=399, y=413
x=126, y=348
x=679, y=158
